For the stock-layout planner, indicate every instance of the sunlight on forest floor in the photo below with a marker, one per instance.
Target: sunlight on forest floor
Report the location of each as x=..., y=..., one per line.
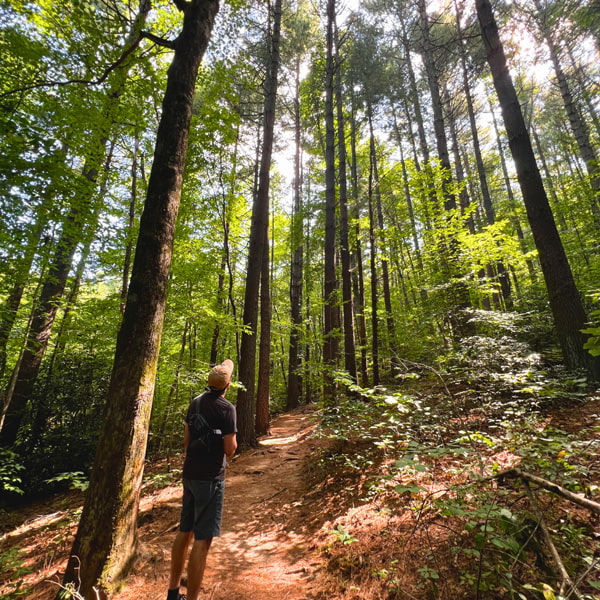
x=280, y=441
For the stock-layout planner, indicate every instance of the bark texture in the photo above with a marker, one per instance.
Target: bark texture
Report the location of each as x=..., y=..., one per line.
x=330, y=292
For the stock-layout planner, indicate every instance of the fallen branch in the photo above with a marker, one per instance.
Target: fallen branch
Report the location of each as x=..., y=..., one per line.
x=552, y=487
x=564, y=575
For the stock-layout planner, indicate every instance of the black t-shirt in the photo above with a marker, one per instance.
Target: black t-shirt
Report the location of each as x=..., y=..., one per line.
x=220, y=414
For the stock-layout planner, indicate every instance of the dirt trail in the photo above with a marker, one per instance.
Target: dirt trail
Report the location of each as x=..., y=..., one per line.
x=263, y=552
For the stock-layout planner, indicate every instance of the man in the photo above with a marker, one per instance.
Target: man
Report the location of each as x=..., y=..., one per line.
x=203, y=482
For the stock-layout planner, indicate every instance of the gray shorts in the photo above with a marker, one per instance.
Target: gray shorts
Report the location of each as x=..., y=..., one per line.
x=202, y=508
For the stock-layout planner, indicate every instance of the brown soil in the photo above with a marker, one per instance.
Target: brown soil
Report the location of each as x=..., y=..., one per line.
x=264, y=552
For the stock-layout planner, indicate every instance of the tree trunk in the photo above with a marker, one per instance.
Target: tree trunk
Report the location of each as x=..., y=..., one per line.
x=516, y=223
x=486, y=197
x=548, y=184
x=263, y=392
x=436, y=98
x=374, y=295
x=294, y=388
x=565, y=302
x=374, y=279
x=225, y=266
x=21, y=274
x=105, y=543
x=347, y=305
x=407, y=194
x=256, y=250
x=358, y=280
x=330, y=300
x=416, y=102
x=220, y=293
x=385, y=276
x=131, y=221
x=159, y=437
x=459, y=298
x=40, y=411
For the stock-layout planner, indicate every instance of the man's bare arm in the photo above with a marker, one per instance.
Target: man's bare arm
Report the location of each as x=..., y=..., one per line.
x=186, y=437
x=230, y=444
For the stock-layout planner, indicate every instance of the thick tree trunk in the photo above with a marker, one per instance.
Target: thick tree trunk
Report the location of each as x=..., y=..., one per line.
x=330, y=299
x=565, y=302
x=260, y=222
x=106, y=538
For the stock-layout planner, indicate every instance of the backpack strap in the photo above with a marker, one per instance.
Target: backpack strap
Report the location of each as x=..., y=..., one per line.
x=201, y=418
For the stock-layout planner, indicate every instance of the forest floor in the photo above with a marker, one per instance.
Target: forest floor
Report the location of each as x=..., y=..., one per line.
x=294, y=529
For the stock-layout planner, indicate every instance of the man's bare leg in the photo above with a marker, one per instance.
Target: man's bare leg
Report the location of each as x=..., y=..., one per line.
x=178, y=555
x=196, y=566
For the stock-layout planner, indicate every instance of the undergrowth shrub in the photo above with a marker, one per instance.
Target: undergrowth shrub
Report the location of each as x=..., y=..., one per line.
x=433, y=450
x=11, y=561
x=11, y=469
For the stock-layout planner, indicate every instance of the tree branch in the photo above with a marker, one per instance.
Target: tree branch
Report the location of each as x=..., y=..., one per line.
x=158, y=40
x=97, y=81
x=564, y=575
x=552, y=487
x=102, y=78
x=181, y=5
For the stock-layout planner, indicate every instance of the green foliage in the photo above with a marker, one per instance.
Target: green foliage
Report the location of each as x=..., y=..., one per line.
x=342, y=536
x=11, y=562
x=10, y=469
x=592, y=344
x=59, y=440
x=75, y=480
